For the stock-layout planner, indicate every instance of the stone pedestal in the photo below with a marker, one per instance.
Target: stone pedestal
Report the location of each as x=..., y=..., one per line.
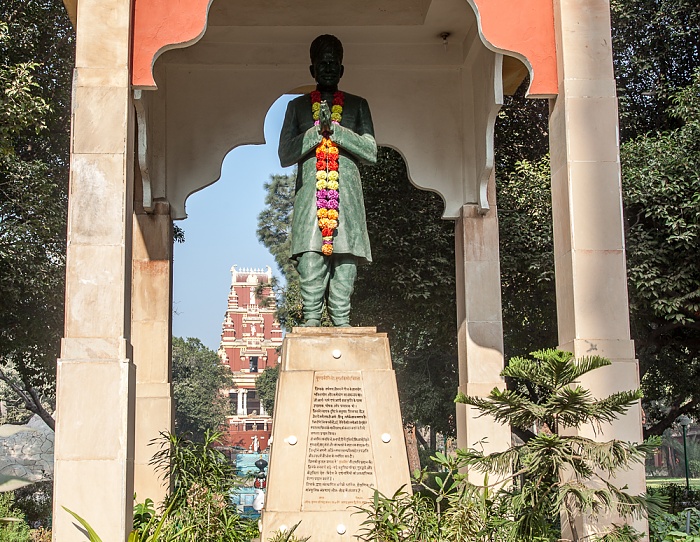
x=337, y=435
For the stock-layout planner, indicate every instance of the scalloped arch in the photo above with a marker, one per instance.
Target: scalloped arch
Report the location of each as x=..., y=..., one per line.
x=524, y=29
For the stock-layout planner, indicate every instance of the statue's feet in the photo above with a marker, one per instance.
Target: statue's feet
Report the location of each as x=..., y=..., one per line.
x=312, y=323
x=342, y=324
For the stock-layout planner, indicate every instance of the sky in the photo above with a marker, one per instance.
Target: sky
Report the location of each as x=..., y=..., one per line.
x=216, y=238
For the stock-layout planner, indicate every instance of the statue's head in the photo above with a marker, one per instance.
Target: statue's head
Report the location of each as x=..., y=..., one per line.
x=326, y=62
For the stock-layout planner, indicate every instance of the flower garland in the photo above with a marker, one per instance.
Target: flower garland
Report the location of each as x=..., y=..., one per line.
x=327, y=175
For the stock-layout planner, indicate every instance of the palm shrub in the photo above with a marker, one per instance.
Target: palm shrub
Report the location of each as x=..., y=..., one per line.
x=188, y=463
x=553, y=472
x=199, y=505
x=400, y=518
x=288, y=535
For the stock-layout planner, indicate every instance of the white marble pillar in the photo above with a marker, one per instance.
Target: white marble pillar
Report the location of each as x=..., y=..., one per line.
x=239, y=404
x=589, y=251
x=95, y=374
x=244, y=407
x=480, y=327
x=151, y=310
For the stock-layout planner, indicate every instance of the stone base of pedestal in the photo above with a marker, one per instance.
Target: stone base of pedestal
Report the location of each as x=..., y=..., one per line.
x=337, y=433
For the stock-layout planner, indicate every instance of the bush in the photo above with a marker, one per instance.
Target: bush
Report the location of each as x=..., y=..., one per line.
x=666, y=527
x=694, y=468
x=13, y=527
x=35, y=502
x=426, y=459
x=678, y=497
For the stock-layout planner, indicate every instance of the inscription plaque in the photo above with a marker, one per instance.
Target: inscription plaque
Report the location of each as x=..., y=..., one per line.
x=339, y=471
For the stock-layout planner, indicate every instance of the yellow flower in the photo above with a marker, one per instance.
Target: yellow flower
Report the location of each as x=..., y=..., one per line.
x=321, y=175
x=332, y=224
x=333, y=149
x=320, y=185
x=332, y=185
x=323, y=213
x=335, y=116
x=316, y=106
x=332, y=214
x=332, y=175
x=337, y=109
x=327, y=250
x=323, y=222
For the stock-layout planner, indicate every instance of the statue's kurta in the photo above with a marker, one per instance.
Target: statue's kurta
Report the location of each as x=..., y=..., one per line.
x=355, y=138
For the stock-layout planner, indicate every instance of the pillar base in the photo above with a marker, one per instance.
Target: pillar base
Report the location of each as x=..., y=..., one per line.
x=94, y=459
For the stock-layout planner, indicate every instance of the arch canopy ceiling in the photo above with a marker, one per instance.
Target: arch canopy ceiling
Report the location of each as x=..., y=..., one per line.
x=394, y=31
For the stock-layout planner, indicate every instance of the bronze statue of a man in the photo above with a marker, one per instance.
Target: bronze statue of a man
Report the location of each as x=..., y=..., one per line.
x=327, y=133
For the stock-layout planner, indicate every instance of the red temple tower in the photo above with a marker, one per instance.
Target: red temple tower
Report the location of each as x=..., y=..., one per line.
x=250, y=341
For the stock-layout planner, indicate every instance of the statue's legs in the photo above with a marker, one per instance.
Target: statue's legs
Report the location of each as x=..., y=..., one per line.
x=313, y=281
x=315, y=273
x=342, y=284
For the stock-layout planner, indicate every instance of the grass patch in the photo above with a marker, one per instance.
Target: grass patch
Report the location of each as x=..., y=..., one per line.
x=658, y=482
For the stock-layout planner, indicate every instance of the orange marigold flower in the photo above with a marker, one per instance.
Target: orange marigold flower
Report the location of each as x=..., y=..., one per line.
x=327, y=250
x=332, y=214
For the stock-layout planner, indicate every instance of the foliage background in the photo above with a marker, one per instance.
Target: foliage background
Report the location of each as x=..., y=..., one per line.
x=198, y=378
x=36, y=59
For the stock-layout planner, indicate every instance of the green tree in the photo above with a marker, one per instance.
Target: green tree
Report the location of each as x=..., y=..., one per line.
x=266, y=386
x=661, y=185
x=525, y=224
x=567, y=475
x=275, y=221
x=527, y=257
x=199, y=507
x=36, y=48
x=198, y=378
x=656, y=49
x=409, y=290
